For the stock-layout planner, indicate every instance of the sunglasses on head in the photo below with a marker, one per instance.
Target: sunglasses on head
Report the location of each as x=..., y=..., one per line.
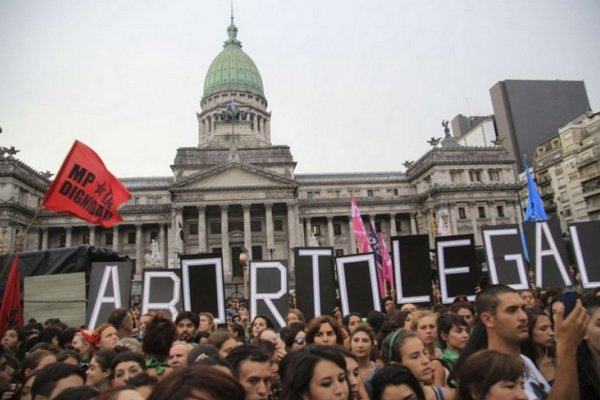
x=299, y=341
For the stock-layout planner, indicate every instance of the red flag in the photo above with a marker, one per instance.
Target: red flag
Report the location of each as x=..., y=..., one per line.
x=86, y=189
x=11, y=311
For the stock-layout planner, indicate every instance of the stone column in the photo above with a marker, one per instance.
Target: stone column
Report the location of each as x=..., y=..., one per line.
x=291, y=220
x=202, y=229
x=393, y=225
x=44, y=238
x=115, y=245
x=69, y=240
x=162, y=239
x=330, y=236
x=247, y=229
x=413, y=223
x=474, y=213
x=269, y=223
x=292, y=239
x=308, y=230
x=492, y=212
x=453, y=219
x=299, y=226
x=139, y=249
x=92, y=229
x=351, y=238
x=228, y=272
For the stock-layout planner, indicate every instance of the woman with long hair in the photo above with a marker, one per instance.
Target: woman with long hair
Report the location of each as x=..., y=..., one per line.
x=405, y=348
x=540, y=346
x=324, y=330
x=362, y=343
x=424, y=324
x=259, y=324
x=453, y=336
x=99, y=372
x=316, y=373
x=158, y=338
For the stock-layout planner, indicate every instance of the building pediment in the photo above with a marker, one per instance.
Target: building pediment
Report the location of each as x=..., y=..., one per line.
x=233, y=175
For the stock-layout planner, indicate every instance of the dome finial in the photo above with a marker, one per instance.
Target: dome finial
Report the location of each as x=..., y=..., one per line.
x=232, y=32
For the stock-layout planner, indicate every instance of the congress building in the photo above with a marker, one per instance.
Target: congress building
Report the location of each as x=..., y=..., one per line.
x=232, y=191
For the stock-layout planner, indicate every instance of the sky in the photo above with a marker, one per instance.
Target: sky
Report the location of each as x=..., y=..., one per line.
x=353, y=86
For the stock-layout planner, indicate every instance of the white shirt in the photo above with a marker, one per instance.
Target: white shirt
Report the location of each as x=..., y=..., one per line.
x=536, y=385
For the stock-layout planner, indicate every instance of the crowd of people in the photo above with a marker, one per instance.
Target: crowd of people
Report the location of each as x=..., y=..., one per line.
x=505, y=345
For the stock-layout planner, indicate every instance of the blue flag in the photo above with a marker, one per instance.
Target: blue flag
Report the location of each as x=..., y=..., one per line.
x=535, y=207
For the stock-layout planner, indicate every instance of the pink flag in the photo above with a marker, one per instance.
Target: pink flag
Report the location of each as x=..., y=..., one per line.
x=359, y=229
x=388, y=269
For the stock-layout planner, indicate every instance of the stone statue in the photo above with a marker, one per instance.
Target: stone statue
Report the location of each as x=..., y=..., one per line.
x=446, y=129
x=153, y=259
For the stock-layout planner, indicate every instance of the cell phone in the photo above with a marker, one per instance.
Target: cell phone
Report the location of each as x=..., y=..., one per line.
x=569, y=301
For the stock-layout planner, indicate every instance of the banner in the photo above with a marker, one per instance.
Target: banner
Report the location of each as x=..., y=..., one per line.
x=358, y=284
x=457, y=266
x=584, y=240
x=269, y=290
x=504, y=255
x=203, y=273
x=412, y=269
x=547, y=254
x=161, y=290
x=86, y=189
x=110, y=288
x=315, y=281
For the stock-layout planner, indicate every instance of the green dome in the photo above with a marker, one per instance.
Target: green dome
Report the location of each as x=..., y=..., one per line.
x=232, y=69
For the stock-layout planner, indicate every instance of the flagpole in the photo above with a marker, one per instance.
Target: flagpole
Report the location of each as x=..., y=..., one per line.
x=21, y=240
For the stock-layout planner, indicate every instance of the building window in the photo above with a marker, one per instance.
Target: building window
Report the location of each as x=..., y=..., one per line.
x=462, y=213
x=568, y=212
x=317, y=194
x=215, y=228
x=456, y=175
x=369, y=193
x=257, y=253
x=309, y=195
x=255, y=226
x=481, y=211
x=339, y=252
x=217, y=251
x=475, y=175
x=131, y=237
x=236, y=226
x=86, y=238
x=494, y=175
x=316, y=230
x=500, y=210
x=63, y=241
x=378, y=226
x=154, y=235
x=278, y=225
x=108, y=239
x=398, y=225
x=193, y=228
x=159, y=200
x=395, y=192
x=337, y=229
